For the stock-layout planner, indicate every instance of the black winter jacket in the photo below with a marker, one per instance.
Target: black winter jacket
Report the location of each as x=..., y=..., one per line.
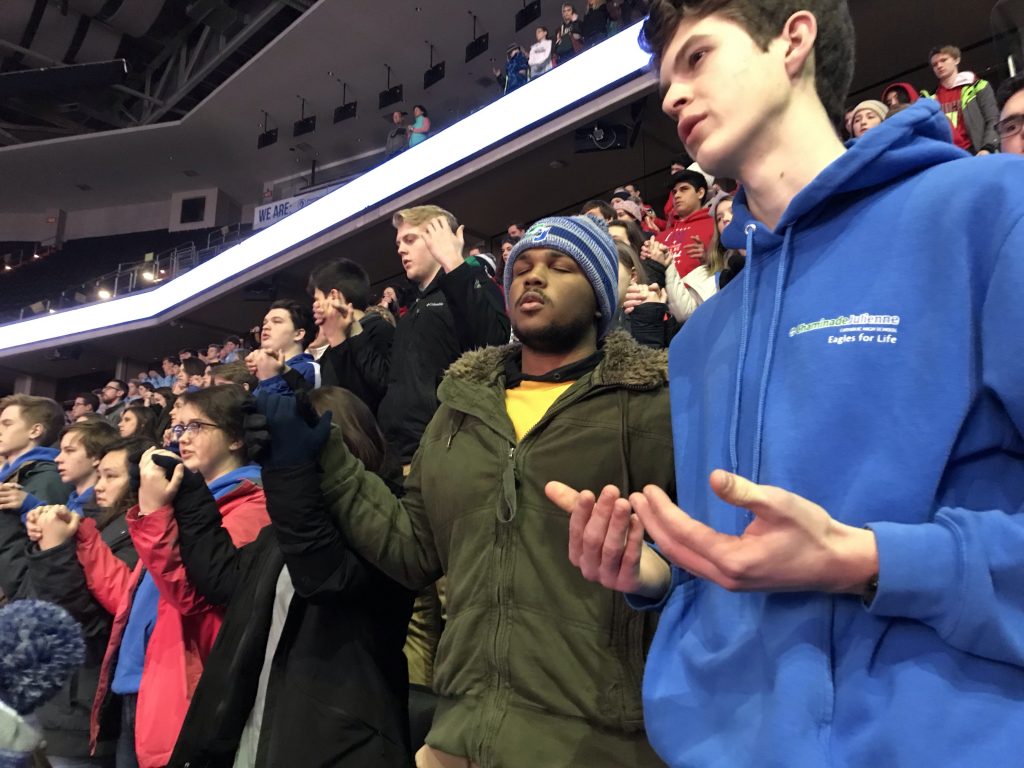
x=458, y=312
x=360, y=364
x=338, y=687
x=41, y=479
x=56, y=575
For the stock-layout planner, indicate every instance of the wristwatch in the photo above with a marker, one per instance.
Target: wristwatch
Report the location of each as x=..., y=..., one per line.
x=870, y=590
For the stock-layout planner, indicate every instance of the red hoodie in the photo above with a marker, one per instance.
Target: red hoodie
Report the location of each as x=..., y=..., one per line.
x=698, y=223
x=907, y=88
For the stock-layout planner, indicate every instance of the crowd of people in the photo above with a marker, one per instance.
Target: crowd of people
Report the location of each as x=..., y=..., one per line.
x=493, y=522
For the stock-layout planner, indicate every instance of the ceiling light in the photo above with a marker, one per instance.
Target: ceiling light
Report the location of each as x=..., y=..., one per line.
x=103, y=294
x=148, y=275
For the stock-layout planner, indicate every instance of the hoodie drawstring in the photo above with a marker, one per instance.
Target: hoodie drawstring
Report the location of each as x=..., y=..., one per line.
x=769, y=356
x=734, y=427
x=773, y=329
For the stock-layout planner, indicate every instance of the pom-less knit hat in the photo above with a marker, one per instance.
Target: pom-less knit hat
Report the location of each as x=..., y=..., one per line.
x=872, y=104
x=586, y=241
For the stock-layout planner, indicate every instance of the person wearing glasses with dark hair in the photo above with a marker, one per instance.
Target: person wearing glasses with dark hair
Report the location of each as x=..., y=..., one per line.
x=1011, y=118
x=163, y=629
x=112, y=396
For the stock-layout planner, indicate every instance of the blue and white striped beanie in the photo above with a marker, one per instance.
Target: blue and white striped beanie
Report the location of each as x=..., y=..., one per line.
x=586, y=241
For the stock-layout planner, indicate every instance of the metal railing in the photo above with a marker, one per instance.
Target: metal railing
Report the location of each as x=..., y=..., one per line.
x=137, y=275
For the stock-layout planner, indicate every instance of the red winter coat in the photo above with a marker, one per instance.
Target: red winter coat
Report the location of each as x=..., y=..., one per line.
x=186, y=625
x=698, y=223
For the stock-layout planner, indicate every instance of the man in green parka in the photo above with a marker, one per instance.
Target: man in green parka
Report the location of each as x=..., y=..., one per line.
x=536, y=666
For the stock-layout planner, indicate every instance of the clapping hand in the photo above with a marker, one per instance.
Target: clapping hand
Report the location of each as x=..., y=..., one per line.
x=638, y=294
x=265, y=363
x=695, y=248
x=656, y=251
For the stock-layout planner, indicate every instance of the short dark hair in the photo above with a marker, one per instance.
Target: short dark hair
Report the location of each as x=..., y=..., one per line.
x=146, y=385
x=172, y=358
x=344, y=275
x=95, y=435
x=727, y=185
x=1009, y=89
x=90, y=399
x=236, y=340
x=763, y=20
x=422, y=109
x=606, y=210
x=302, y=316
x=121, y=385
x=696, y=180
x=188, y=350
x=193, y=366
x=38, y=410
x=221, y=404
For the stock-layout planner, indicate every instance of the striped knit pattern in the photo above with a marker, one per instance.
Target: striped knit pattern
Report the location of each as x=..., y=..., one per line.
x=586, y=241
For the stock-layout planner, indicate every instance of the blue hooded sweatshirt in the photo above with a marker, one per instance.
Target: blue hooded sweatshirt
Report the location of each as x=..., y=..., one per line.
x=871, y=359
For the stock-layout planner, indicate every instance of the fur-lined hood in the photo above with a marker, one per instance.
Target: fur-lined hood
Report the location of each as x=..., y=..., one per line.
x=625, y=364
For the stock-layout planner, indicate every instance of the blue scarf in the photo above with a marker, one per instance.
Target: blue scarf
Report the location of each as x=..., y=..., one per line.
x=224, y=484
x=34, y=454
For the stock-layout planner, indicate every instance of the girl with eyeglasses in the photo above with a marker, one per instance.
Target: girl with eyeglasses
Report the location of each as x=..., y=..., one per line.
x=163, y=629
x=308, y=669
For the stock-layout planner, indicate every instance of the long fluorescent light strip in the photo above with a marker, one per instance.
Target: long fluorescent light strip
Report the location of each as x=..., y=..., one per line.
x=594, y=70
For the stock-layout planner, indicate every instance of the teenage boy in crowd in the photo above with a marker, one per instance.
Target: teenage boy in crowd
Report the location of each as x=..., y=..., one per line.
x=692, y=226
x=1011, y=117
x=457, y=309
x=81, y=448
x=360, y=343
x=85, y=402
x=537, y=667
x=968, y=102
x=847, y=591
x=28, y=477
x=286, y=330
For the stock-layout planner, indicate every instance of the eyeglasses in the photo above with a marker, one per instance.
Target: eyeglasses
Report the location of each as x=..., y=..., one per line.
x=1010, y=126
x=191, y=429
x=111, y=386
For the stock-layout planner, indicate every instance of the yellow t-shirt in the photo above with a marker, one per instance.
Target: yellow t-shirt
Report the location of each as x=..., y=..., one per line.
x=527, y=403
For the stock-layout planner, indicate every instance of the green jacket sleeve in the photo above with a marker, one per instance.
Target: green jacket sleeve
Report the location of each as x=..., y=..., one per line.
x=394, y=535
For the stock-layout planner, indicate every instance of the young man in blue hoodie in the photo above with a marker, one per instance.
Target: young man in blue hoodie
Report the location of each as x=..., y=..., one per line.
x=28, y=476
x=846, y=584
